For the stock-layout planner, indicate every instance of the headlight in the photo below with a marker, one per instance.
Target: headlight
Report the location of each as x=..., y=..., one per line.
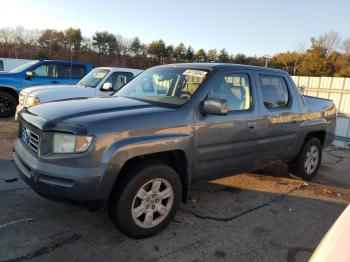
x=32, y=100
x=21, y=99
x=67, y=143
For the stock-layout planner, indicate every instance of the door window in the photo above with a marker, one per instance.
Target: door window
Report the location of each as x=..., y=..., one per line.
x=235, y=89
x=78, y=71
x=71, y=71
x=47, y=70
x=119, y=79
x=1, y=65
x=274, y=91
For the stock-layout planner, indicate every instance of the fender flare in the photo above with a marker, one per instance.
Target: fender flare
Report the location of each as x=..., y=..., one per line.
x=119, y=152
x=10, y=89
x=309, y=126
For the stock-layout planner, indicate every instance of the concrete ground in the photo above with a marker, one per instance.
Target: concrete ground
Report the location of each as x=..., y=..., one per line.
x=262, y=216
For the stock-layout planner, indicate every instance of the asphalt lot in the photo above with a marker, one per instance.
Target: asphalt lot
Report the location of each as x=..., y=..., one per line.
x=265, y=216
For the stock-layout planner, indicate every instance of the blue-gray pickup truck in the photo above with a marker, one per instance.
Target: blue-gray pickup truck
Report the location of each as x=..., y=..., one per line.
x=141, y=149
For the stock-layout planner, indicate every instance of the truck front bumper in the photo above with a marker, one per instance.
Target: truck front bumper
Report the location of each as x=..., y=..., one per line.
x=76, y=184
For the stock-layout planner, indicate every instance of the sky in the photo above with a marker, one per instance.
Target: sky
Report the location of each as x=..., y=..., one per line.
x=252, y=27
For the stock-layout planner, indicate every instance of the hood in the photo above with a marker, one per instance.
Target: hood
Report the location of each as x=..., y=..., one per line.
x=90, y=108
x=59, y=93
x=5, y=74
x=36, y=89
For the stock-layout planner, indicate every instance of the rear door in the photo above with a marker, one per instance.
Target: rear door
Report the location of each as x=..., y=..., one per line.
x=278, y=126
x=225, y=144
x=70, y=73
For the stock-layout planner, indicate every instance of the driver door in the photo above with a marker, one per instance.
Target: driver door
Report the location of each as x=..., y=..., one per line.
x=44, y=74
x=225, y=144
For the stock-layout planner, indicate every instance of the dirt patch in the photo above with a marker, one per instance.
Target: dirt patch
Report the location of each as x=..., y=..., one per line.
x=8, y=129
x=6, y=146
x=8, y=134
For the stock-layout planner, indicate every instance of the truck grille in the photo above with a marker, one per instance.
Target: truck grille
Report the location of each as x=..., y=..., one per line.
x=30, y=138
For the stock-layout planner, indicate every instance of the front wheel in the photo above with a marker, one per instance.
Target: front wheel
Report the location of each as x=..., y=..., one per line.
x=146, y=199
x=7, y=104
x=307, y=163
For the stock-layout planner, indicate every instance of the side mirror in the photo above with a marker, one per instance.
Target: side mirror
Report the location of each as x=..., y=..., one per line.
x=29, y=75
x=215, y=106
x=107, y=87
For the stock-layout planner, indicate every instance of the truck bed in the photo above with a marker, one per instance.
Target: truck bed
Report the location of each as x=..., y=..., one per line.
x=315, y=104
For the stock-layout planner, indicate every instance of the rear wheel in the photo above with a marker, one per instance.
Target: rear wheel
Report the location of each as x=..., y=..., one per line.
x=7, y=104
x=145, y=201
x=307, y=163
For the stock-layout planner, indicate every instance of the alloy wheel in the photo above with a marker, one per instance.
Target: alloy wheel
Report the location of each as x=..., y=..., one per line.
x=152, y=203
x=311, y=160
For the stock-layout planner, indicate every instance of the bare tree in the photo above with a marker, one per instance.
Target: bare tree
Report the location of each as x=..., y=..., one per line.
x=330, y=41
x=301, y=47
x=18, y=38
x=346, y=46
x=18, y=35
x=123, y=44
x=31, y=36
x=297, y=55
x=5, y=35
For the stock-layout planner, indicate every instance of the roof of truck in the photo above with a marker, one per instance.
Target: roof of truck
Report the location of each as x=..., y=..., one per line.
x=61, y=61
x=212, y=66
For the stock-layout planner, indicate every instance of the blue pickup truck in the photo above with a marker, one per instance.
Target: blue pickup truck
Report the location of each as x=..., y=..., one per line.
x=39, y=72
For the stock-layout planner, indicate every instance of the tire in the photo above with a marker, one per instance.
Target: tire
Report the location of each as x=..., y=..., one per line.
x=7, y=104
x=299, y=167
x=128, y=211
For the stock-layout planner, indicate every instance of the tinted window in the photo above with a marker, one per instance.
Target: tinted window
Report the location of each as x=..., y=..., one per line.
x=68, y=71
x=274, y=91
x=1, y=65
x=235, y=89
x=78, y=71
x=47, y=70
x=119, y=79
x=64, y=71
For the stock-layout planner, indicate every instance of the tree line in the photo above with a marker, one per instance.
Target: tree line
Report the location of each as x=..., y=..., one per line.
x=326, y=55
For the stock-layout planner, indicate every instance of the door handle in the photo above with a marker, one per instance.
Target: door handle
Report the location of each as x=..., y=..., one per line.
x=251, y=125
x=54, y=82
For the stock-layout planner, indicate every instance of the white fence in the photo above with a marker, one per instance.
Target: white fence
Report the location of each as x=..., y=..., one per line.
x=336, y=89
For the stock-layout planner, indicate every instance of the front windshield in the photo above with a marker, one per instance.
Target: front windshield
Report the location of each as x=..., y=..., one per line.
x=23, y=67
x=168, y=85
x=93, y=78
